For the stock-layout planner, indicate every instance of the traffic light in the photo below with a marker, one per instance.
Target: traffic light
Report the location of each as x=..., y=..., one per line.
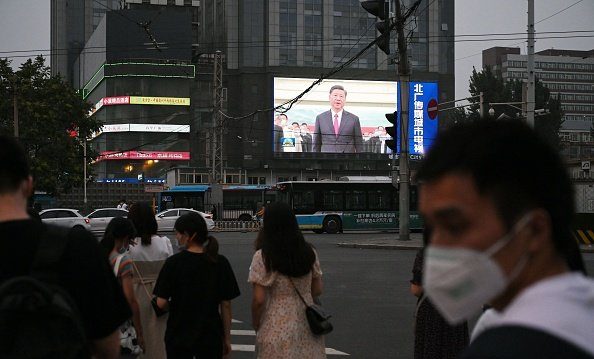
x=392, y=130
x=381, y=10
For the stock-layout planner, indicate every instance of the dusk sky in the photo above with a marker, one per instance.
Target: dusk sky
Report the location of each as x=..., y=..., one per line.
x=24, y=25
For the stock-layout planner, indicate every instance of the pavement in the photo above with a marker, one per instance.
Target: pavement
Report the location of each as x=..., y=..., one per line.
x=390, y=241
x=393, y=241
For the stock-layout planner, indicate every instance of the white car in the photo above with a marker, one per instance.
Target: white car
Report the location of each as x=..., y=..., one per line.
x=65, y=217
x=100, y=218
x=166, y=219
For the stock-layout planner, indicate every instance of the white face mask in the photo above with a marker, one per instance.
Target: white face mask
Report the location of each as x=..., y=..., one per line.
x=459, y=281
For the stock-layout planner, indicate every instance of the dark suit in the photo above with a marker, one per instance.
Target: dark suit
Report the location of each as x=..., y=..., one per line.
x=278, y=135
x=349, y=139
x=306, y=142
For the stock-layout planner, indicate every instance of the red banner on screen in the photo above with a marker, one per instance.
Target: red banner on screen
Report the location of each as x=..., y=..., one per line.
x=144, y=155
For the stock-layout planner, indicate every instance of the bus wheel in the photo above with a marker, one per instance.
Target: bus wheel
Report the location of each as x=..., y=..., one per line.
x=332, y=224
x=318, y=231
x=245, y=217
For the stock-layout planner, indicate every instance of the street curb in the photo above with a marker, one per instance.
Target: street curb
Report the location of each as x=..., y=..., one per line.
x=583, y=249
x=587, y=249
x=380, y=246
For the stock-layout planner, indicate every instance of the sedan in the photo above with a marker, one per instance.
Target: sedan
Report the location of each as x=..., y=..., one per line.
x=100, y=218
x=167, y=218
x=65, y=217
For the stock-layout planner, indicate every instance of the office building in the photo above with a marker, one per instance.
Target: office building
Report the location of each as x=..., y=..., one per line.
x=569, y=75
x=261, y=42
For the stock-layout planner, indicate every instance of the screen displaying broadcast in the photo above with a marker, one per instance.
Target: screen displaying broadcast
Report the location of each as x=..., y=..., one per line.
x=340, y=116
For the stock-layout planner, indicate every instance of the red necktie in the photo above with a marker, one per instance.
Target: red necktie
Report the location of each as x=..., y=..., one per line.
x=335, y=124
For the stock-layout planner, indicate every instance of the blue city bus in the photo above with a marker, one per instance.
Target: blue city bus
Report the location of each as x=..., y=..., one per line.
x=350, y=204
x=240, y=202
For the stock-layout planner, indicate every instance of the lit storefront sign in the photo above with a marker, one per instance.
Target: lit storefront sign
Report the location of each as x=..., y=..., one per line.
x=422, y=127
x=142, y=127
x=141, y=100
x=144, y=155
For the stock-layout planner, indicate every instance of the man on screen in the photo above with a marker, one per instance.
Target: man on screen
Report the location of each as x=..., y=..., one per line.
x=337, y=130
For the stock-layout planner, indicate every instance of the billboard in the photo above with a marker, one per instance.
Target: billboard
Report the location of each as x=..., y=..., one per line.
x=422, y=118
x=348, y=120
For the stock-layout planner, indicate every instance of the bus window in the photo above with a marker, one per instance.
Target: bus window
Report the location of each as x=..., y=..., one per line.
x=333, y=201
x=414, y=198
x=380, y=200
x=355, y=200
x=303, y=202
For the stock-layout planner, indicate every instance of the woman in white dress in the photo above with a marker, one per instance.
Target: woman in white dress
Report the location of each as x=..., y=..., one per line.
x=149, y=255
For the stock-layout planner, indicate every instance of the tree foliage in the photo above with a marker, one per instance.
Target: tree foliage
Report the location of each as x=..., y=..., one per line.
x=495, y=90
x=52, y=121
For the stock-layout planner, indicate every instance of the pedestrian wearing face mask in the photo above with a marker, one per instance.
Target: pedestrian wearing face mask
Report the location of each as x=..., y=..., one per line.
x=434, y=336
x=118, y=237
x=500, y=203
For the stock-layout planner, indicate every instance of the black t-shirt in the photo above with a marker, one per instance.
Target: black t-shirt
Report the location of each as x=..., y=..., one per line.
x=195, y=287
x=83, y=272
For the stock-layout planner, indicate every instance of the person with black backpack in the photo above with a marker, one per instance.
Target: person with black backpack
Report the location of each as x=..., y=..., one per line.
x=58, y=295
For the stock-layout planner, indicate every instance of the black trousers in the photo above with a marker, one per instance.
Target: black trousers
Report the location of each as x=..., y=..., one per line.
x=209, y=351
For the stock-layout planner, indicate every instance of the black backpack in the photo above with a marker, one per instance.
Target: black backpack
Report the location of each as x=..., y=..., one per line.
x=38, y=318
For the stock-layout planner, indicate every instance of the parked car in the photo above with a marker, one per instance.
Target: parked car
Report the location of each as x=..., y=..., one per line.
x=166, y=219
x=100, y=218
x=65, y=217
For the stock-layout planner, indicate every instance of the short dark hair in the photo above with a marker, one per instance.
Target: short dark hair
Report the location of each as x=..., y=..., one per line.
x=512, y=165
x=283, y=246
x=284, y=114
x=14, y=167
x=193, y=223
x=143, y=217
x=338, y=87
x=304, y=124
x=118, y=227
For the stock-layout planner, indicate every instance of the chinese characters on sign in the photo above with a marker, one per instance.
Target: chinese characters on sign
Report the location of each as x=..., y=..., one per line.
x=422, y=118
x=368, y=218
x=139, y=100
x=418, y=119
x=144, y=155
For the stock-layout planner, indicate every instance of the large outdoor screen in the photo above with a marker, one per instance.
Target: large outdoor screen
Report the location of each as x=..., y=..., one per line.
x=339, y=116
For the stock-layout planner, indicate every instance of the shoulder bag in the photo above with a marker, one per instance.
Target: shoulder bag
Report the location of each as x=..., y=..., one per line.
x=318, y=319
x=128, y=336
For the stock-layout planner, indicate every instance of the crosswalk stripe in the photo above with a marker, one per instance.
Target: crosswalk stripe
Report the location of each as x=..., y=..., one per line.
x=252, y=348
x=243, y=347
x=243, y=332
x=236, y=321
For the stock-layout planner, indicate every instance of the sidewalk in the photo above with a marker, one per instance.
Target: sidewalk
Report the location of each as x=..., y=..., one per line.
x=415, y=242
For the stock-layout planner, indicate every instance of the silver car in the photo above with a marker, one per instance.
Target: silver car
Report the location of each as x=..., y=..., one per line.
x=166, y=219
x=65, y=217
x=100, y=218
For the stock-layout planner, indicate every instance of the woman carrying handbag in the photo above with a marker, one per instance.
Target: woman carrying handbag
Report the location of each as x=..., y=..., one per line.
x=118, y=236
x=284, y=269
x=149, y=255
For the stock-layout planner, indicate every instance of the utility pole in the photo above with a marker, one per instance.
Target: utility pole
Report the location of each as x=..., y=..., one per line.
x=85, y=172
x=531, y=90
x=15, y=113
x=404, y=80
x=217, y=137
x=482, y=105
x=217, y=121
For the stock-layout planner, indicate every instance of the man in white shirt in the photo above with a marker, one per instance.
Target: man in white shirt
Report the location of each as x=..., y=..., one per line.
x=500, y=203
